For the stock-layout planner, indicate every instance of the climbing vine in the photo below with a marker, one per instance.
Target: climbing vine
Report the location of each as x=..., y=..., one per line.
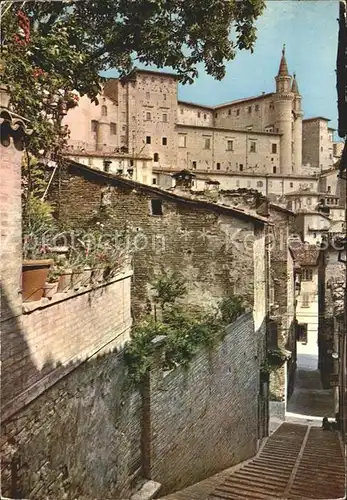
x=275, y=358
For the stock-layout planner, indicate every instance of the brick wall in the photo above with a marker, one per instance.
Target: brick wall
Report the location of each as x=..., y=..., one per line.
x=50, y=338
x=79, y=439
x=204, y=418
x=10, y=232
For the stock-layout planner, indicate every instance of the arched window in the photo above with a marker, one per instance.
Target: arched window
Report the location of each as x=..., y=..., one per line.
x=103, y=110
x=156, y=157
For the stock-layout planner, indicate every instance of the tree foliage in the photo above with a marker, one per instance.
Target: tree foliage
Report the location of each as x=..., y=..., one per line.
x=51, y=49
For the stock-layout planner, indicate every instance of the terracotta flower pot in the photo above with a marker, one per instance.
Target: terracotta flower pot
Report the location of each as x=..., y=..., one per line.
x=65, y=281
x=34, y=276
x=77, y=279
x=51, y=289
x=87, y=276
x=97, y=276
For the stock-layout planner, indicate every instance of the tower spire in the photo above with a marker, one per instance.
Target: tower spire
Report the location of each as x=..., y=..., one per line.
x=283, y=69
x=295, y=88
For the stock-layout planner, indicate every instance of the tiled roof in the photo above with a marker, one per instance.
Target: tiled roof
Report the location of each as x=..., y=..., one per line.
x=14, y=121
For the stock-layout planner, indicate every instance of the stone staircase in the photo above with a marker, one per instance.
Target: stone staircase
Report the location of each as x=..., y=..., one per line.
x=298, y=462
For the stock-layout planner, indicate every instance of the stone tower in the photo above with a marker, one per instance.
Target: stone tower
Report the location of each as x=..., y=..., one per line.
x=283, y=102
x=297, y=127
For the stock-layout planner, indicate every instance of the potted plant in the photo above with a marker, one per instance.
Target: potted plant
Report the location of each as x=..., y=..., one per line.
x=37, y=224
x=52, y=283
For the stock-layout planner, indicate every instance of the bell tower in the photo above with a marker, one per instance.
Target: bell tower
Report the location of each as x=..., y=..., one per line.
x=297, y=127
x=283, y=102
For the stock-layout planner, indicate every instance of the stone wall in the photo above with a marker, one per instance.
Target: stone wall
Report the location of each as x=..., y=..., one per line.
x=203, y=418
x=330, y=271
x=212, y=246
x=79, y=439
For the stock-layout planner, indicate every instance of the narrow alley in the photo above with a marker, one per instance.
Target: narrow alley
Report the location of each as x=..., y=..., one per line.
x=299, y=460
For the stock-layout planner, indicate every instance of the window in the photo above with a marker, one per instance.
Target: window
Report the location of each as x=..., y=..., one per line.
x=291, y=184
x=216, y=115
x=113, y=128
x=156, y=207
x=181, y=110
x=329, y=189
x=237, y=112
x=164, y=141
x=148, y=116
x=165, y=117
x=273, y=148
x=103, y=110
x=154, y=181
x=94, y=126
x=218, y=166
x=205, y=116
x=207, y=143
x=124, y=127
x=330, y=156
x=229, y=111
x=182, y=141
x=148, y=95
x=199, y=114
x=259, y=184
x=241, y=167
x=257, y=107
x=305, y=300
x=230, y=145
x=309, y=201
x=156, y=157
x=249, y=109
x=253, y=147
x=321, y=149
x=148, y=139
x=164, y=97
x=274, y=169
x=306, y=274
x=194, y=164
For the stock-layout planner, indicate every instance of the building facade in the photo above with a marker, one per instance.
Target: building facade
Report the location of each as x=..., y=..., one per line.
x=264, y=136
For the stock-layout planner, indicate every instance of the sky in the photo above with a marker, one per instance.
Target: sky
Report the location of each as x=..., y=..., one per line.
x=309, y=29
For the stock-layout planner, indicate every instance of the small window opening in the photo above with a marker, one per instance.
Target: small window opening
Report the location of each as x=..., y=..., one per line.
x=156, y=207
x=164, y=141
x=148, y=139
x=156, y=157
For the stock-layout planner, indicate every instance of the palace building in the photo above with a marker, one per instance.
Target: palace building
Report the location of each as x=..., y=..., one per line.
x=140, y=129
